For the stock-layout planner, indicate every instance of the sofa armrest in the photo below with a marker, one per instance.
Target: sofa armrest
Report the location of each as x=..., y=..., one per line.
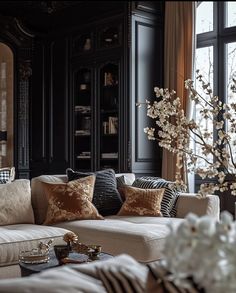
x=190, y=202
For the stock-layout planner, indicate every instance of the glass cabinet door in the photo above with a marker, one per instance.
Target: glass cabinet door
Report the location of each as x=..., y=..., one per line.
x=109, y=116
x=82, y=119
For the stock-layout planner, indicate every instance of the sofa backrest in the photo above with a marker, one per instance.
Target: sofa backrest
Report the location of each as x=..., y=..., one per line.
x=39, y=198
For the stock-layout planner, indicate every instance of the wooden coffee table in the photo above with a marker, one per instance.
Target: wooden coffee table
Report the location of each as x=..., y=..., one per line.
x=29, y=269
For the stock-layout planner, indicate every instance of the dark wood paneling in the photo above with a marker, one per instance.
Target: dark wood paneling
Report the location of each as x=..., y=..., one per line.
x=38, y=114
x=145, y=57
x=58, y=108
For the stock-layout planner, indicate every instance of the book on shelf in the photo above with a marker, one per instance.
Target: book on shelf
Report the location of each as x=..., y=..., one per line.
x=84, y=155
x=113, y=125
x=82, y=132
x=109, y=155
x=83, y=109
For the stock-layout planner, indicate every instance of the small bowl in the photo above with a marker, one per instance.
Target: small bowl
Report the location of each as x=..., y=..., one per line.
x=94, y=251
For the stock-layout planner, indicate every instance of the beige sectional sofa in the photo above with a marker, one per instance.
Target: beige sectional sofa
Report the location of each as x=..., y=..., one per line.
x=140, y=237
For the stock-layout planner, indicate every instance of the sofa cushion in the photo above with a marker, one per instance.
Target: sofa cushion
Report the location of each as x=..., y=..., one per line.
x=15, y=203
x=7, y=174
x=70, y=201
x=141, y=202
x=140, y=237
x=39, y=198
x=106, y=197
x=15, y=238
x=168, y=204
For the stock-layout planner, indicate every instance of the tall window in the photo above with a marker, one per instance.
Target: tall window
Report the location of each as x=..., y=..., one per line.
x=216, y=52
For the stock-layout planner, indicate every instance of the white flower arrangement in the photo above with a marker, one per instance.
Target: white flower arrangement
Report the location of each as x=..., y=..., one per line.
x=202, y=250
x=191, y=140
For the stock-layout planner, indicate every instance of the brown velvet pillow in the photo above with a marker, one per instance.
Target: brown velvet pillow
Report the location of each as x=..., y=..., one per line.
x=141, y=202
x=70, y=201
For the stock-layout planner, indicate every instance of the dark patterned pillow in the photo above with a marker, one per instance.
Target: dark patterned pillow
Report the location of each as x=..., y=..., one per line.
x=7, y=175
x=168, y=204
x=106, y=197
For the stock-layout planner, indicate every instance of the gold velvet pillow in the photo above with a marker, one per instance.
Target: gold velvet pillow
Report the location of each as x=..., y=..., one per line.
x=70, y=201
x=141, y=202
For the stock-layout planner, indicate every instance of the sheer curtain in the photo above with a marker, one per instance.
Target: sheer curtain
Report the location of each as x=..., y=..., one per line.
x=179, y=48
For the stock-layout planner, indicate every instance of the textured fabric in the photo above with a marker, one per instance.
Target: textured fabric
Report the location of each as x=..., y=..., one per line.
x=179, y=40
x=39, y=198
x=71, y=201
x=15, y=203
x=168, y=204
x=106, y=197
x=125, y=278
x=189, y=202
x=120, y=181
x=141, y=202
x=141, y=237
x=7, y=174
x=160, y=281
x=15, y=238
x=73, y=278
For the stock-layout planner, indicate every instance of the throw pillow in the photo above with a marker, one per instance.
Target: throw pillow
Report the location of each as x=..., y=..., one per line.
x=159, y=280
x=168, y=204
x=120, y=180
x=15, y=203
x=121, y=278
x=106, y=197
x=141, y=202
x=7, y=174
x=70, y=201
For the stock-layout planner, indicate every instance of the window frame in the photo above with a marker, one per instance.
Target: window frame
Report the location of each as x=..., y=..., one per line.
x=218, y=38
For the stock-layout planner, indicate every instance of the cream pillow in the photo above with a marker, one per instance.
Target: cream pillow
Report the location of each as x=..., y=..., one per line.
x=70, y=201
x=141, y=202
x=15, y=203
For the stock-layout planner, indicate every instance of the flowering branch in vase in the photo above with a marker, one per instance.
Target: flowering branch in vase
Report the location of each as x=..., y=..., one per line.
x=192, y=140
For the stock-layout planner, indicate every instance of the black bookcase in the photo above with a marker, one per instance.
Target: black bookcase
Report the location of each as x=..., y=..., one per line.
x=97, y=84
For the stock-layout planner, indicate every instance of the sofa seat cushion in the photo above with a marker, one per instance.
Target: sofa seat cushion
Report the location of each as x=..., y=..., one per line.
x=141, y=237
x=15, y=238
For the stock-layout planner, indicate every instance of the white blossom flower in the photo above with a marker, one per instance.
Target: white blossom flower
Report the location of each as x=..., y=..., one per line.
x=192, y=139
x=202, y=249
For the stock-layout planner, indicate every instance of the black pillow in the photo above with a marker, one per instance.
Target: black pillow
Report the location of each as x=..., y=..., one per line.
x=106, y=197
x=168, y=203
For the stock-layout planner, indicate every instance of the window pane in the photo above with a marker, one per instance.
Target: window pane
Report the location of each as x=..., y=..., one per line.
x=231, y=96
x=230, y=14
x=204, y=17
x=204, y=63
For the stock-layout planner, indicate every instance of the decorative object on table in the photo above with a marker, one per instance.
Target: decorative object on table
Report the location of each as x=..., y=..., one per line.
x=74, y=245
x=92, y=251
x=201, y=253
x=36, y=255
x=61, y=252
x=70, y=238
x=191, y=140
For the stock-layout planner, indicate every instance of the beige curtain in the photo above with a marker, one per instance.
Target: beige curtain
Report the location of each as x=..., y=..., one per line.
x=179, y=48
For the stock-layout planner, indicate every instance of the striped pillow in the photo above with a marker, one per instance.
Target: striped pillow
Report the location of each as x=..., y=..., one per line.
x=106, y=197
x=123, y=279
x=168, y=204
x=160, y=280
